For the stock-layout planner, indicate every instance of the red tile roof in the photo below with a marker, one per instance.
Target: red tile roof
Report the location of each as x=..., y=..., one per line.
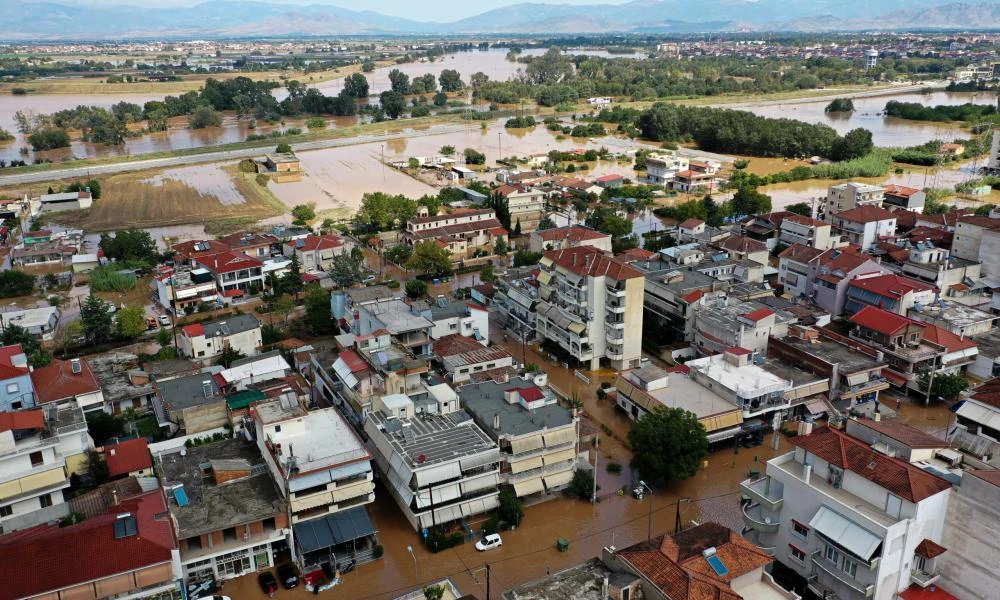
x=128, y=456
x=456, y=343
x=193, y=330
x=930, y=549
x=573, y=233
x=354, y=361
x=22, y=419
x=865, y=214
x=794, y=218
x=453, y=214
x=882, y=321
x=693, y=296
x=980, y=221
x=607, y=178
x=530, y=393
x=934, y=592
x=587, y=260
x=738, y=351
x=800, y=253
x=311, y=243
x=851, y=454
x=187, y=249
x=949, y=340
x=57, y=381
x=739, y=243
x=7, y=367
x=227, y=262
x=890, y=286
x=903, y=433
x=50, y=558
x=900, y=191
x=759, y=314
x=691, y=223
x=634, y=254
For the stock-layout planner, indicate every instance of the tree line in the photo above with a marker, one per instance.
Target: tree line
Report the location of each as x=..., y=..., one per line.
x=916, y=111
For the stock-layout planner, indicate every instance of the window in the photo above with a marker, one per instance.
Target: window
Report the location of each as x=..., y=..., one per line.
x=625, y=593
x=36, y=459
x=832, y=555
x=796, y=553
x=893, y=505
x=277, y=429
x=13, y=388
x=850, y=567
x=799, y=529
x=6, y=511
x=45, y=500
x=201, y=353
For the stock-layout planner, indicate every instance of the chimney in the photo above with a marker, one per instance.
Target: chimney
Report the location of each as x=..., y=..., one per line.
x=806, y=473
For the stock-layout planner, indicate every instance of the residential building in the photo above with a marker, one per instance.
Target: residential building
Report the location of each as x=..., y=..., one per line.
x=662, y=167
x=690, y=229
x=86, y=263
x=65, y=201
x=39, y=322
x=957, y=318
x=891, y=292
x=987, y=363
x=833, y=274
x=589, y=306
x=796, y=229
x=316, y=252
x=128, y=459
x=908, y=198
x=537, y=437
x=229, y=517
x=911, y=347
x=610, y=181
x=969, y=232
x=639, y=392
x=461, y=316
x=894, y=438
x=64, y=382
x=127, y=552
x=253, y=243
x=856, y=518
x=976, y=428
x=516, y=300
x=235, y=273
x=989, y=247
x=39, y=450
x=972, y=530
x=739, y=247
x=205, y=341
x=735, y=377
x=439, y=466
x=797, y=270
x=464, y=359
x=42, y=253
x=572, y=236
x=766, y=227
x=937, y=267
x=283, y=162
x=16, y=388
x=184, y=287
x=324, y=472
x=585, y=581
x=864, y=225
x=406, y=327
x=189, y=404
x=464, y=232
x=124, y=384
x=525, y=204
x=245, y=373
x=189, y=252
x=846, y=196
x=691, y=181
x=723, y=324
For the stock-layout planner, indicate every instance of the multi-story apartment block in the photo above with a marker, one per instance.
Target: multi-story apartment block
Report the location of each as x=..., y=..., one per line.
x=537, y=437
x=905, y=197
x=755, y=391
x=205, y=341
x=406, y=326
x=572, y=236
x=845, y=196
x=183, y=287
x=590, y=306
x=465, y=232
x=969, y=234
x=926, y=262
x=796, y=229
x=39, y=450
x=516, y=299
x=806, y=272
x=525, y=204
x=439, y=466
x=662, y=167
x=856, y=522
x=864, y=225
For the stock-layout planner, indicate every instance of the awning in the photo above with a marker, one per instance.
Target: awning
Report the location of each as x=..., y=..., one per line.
x=847, y=534
x=343, y=371
x=558, y=457
x=816, y=407
x=331, y=530
x=525, y=444
x=559, y=437
x=894, y=378
x=529, y=486
x=234, y=293
x=544, y=277
x=527, y=464
x=558, y=479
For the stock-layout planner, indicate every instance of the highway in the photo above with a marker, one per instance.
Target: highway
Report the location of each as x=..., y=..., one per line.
x=211, y=157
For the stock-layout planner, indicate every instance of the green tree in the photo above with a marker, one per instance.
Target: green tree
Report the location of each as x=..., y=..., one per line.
x=748, y=201
x=291, y=281
x=399, y=254
x=500, y=248
x=546, y=223
x=130, y=322
x=413, y=163
x=16, y=283
x=606, y=220
x=509, y=507
x=393, y=103
x=474, y=157
x=48, y=138
x=800, y=208
x=517, y=228
x=356, y=86
x=319, y=320
x=228, y=356
x=434, y=592
x=416, y=288
x=447, y=150
x=15, y=334
x=345, y=270
x=368, y=66
x=524, y=258
x=947, y=386
x=302, y=214
x=486, y=274
x=582, y=484
x=283, y=305
x=205, y=116
x=283, y=148
x=668, y=444
x=97, y=320
x=164, y=338
x=440, y=99
x=130, y=245
x=855, y=144
x=430, y=259
x=381, y=211
x=399, y=81
x=450, y=80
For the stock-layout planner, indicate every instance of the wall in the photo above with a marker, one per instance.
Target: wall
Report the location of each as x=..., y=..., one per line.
x=634, y=292
x=972, y=532
x=202, y=418
x=989, y=253
x=24, y=393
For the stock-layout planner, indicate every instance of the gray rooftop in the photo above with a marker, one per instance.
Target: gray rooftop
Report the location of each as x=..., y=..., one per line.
x=486, y=399
x=580, y=582
x=785, y=370
x=397, y=316
x=231, y=325
x=369, y=294
x=689, y=280
x=189, y=391
x=458, y=308
x=436, y=438
x=988, y=343
x=112, y=372
x=850, y=360
x=161, y=370
x=213, y=507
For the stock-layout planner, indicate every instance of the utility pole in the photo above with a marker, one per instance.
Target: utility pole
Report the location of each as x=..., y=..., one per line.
x=487, y=581
x=597, y=453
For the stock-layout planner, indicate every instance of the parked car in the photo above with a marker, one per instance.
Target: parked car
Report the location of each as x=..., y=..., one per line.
x=164, y=320
x=268, y=583
x=489, y=542
x=151, y=323
x=288, y=576
x=369, y=279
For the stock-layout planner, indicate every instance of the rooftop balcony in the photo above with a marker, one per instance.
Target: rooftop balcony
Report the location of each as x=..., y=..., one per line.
x=755, y=518
x=764, y=491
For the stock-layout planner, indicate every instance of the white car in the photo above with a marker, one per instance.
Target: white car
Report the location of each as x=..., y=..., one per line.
x=489, y=542
x=164, y=320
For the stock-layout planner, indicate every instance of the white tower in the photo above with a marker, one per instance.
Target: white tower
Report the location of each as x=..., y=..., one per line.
x=871, y=59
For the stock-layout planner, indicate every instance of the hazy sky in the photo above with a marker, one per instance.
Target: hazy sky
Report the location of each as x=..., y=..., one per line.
x=420, y=10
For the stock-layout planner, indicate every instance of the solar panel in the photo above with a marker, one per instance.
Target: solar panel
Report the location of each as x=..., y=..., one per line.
x=181, y=496
x=716, y=562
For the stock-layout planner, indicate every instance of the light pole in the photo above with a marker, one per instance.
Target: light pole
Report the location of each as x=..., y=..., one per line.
x=416, y=572
x=649, y=533
x=597, y=453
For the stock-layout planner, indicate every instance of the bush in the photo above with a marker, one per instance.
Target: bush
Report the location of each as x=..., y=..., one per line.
x=48, y=139
x=416, y=288
x=16, y=283
x=520, y=122
x=261, y=179
x=582, y=485
x=437, y=539
x=315, y=123
x=106, y=278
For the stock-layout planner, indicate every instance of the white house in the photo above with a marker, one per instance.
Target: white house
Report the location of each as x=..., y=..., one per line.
x=205, y=341
x=865, y=225
x=41, y=322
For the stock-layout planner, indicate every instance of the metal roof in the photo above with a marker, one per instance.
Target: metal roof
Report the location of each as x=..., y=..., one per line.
x=331, y=530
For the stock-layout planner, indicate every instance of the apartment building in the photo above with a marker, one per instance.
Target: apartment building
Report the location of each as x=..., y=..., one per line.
x=439, y=466
x=969, y=233
x=989, y=248
x=560, y=238
x=846, y=196
x=184, y=287
x=39, y=450
x=205, y=341
x=662, y=167
x=723, y=324
x=732, y=374
x=537, y=437
x=905, y=197
x=235, y=273
x=406, y=326
x=891, y=292
x=971, y=532
x=864, y=225
x=928, y=263
x=589, y=306
x=189, y=403
x=796, y=229
x=516, y=299
x=464, y=359
x=228, y=514
x=464, y=232
x=766, y=227
x=68, y=382
x=460, y=317
x=824, y=276
x=525, y=204
x=857, y=522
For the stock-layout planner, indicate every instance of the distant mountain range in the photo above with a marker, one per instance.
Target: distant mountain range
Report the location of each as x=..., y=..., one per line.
x=30, y=20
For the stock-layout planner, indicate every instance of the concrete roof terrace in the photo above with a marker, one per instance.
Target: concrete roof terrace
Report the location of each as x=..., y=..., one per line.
x=436, y=438
x=486, y=399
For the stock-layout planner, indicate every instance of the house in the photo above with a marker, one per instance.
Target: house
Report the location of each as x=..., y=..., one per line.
x=16, y=388
x=235, y=273
x=690, y=229
x=796, y=229
x=909, y=198
x=325, y=491
x=124, y=384
x=464, y=232
x=64, y=382
x=316, y=252
x=252, y=243
x=856, y=520
x=405, y=326
x=735, y=377
x=66, y=201
x=229, y=517
x=39, y=322
x=461, y=316
x=845, y=196
x=205, y=341
x=612, y=181
x=129, y=551
x=560, y=238
x=41, y=449
x=525, y=204
x=590, y=305
x=439, y=466
x=190, y=403
x=662, y=167
x=691, y=181
x=516, y=299
x=40, y=236
x=723, y=324
x=85, y=263
x=740, y=247
x=892, y=292
x=184, y=287
x=864, y=225
x=283, y=162
x=247, y=372
x=42, y=253
x=463, y=358
x=824, y=276
x=130, y=458
x=537, y=437
x=190, y=251
x=766, y=227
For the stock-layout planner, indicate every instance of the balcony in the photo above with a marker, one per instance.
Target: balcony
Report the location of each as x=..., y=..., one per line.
x=615, y=321
x=615, y=293
x=616, y=307
x=754, y=518
x=614, y=336
x=923, y=579
x=764, y=491
x=821, y=563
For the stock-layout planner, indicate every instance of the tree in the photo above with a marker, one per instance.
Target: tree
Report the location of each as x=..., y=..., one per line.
x=517, y=228
x=840, y=105
x=399, y=254
x=103, y=426
x=48, y=138
x=400, y=81
x=430, y=259
x=448, y=150
x=800, y=208
x=498, y=202
x=228, y=356
x=606, y=220
x=164, y=337
x=130, y=245
x=524, y=258
x=319, y=320
x=15, y=334
x=93, y=186
x=382, y=211
x=434, y=592
x=356, y=86
x=486, y=274
x=510, y=510
x=205, y=116
x=478, y=80
x=668, y=444
x=855, y=144
x=283, y=148
x=283, y=305
x=546, y=223
x=450, y=80
x=130, y=322
x=345, y=270
x=440, y=99
x=500, y=248
x=393, y=103
x=582, y=484
x=474, y=157
x=748, y=201
x=291, y=281
x=97, y=320
x=947, y=386
x=16, y=283
x=416, y=288
x=302, y=214
x=413, y=163
x=368, y=66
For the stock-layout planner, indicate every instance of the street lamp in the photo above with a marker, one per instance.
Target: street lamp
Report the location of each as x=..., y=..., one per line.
x=416, y=572
x=649, y=533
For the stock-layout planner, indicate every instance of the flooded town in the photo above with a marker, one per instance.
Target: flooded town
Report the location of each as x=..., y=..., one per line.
x=498, y=304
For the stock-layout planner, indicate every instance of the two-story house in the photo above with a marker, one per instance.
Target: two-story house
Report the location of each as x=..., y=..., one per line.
x=184, y=287
x=850, y=195
x=463, y=359
x=525, y=204
x=65, y=382
x=908, y=198
x=864, y=225
x=205, y=341
x=466, y=233
x=235, y=273
x=796, y=229
x=316, y=252
x=571, y=236
x=662, y=167
x=891, y=292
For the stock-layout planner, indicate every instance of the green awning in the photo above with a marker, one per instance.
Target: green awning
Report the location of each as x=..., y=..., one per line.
x=244, y=399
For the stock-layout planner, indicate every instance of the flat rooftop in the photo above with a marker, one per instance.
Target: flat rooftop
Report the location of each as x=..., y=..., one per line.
x=213, y=507
x=436, y=438
x=684, y=392
x=190, y=391
x=988, y=343
x=954, y=315
x=398, y=317
x=850, y=360
x=784, y=370
x=325, y=440
x=581, y=582
x=112, y=371
x=747, y=381
x=486, y=399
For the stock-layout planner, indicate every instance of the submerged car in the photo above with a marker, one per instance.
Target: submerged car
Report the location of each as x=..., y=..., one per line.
x=489, y=542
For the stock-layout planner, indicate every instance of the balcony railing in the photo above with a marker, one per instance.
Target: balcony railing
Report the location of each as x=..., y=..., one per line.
x=923, y=579
x=820, y=562
x=754, y=519
x=765, y=492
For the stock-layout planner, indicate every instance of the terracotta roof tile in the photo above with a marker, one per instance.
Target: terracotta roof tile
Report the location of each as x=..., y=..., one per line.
x=573, y=233
x=904, y=434
x=57, y=381
x=800, y=253
x=865, y=214
x=929, y=549
x=882, y=321
x=890, y=286
x=691, y=223
x=587, y=260
x=128, y=456
x=22, y=419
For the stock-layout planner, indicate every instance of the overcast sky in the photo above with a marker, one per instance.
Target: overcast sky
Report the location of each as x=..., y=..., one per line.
x=420, y=10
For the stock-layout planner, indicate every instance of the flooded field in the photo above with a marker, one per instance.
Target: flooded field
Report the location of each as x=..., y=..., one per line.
x=208, y=181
